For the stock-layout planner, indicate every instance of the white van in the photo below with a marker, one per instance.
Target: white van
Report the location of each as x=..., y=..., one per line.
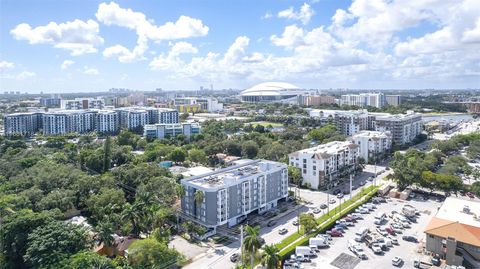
x=360, y=234
x=304, y=251
x=319, y=242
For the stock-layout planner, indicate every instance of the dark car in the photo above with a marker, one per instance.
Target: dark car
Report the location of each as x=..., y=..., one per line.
x=337, y=191
x=235, y=257
x=436, y=260
x=323, y=206
x=409, y=238
x=334, y=233
x=346, y=192
x=271, y=223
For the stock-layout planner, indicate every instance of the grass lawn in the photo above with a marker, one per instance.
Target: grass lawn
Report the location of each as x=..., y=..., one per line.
x=264, y=123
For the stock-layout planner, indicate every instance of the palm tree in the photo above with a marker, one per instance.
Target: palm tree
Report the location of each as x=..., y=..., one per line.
x=132, y=213
x=270, y=257
x=104, y=233
x=251, y=242
x=198, y=196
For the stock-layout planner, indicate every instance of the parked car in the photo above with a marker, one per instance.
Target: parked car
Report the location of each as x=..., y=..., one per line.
x=436, y=260
x=390, y=231
x=332, y=201
x=345, y=192
x=370, y=179
x=283, y=231
x=271, y=223
x=397, y=261
x=376, y=248
x=393, y=239
x=470, y=195
x=295, y=222
x=362, y=183
x=317, y=211
x=323, y=206
x=235, y=257
x=410, y=238
x=340, y=195
x=334, y=233
x=337, y=191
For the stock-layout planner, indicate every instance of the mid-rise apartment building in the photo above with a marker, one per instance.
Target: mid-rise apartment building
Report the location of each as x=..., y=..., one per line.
x=228, y=195
x=162, y=115
x=393, y=100
x=324, y=164
x=25, y=124
x=352, y=122
x=315, y=100
x=363, y=99
x=197, y=104
x=403, y=127
x=132, y=118
x=454, y=233
x=164, y=130
x=50, y=102
x=68, y=121
x=107, y=121
x=372, y=145
x=82, y=103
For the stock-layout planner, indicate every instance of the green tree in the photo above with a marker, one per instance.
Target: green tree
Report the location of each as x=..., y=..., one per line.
x=107, y=154
x=133, y=214
x=88, y=259
x=294, y=175
x=105, y=231
x=308, y=222
x=249, y=149
x=178, y=155
x=56, y=241
x=251, y=242
x=149, y=253
x=197, y=156
x=14, y=232
x=270, y=257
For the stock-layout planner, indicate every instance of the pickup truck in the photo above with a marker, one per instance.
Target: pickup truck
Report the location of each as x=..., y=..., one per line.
x=422, y=264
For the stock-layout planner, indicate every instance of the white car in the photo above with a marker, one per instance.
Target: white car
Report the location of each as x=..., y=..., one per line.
x=397, y=261
x=377, y=249
x=394, y=239
x=332, y=201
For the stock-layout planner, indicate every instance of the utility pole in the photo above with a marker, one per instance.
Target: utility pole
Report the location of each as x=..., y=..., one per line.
x=351, y=178
x=241, y=241
x=375, y=169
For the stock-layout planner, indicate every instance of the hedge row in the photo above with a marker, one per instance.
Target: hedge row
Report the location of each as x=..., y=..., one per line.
x=286, y=252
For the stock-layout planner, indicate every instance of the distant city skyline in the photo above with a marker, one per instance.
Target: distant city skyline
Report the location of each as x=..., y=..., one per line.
x=79, y=46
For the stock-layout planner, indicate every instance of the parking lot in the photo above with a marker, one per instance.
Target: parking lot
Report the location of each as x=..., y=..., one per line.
x=339, y=255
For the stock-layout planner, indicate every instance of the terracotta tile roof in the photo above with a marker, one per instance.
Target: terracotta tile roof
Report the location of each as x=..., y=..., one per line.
x=461, y=232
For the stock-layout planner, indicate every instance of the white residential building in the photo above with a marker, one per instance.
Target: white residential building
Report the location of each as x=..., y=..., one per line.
x=107, y=121
x=197, y=104
x=372, y=145
x=26, y=124
x=231, y=193
x=363, y=99
x=325, y=162
x=132, y=118
x=82, y=103
x=404, y=127
x=163, y=130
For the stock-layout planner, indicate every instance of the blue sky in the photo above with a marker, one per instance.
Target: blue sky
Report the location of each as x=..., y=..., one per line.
x=65, y=46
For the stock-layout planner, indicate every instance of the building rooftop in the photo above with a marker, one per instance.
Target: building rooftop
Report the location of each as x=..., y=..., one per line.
x=371, y=134
x=399, y=117
x=454, y=229
x=453, y=210
x=328, y=149
x=232, y=175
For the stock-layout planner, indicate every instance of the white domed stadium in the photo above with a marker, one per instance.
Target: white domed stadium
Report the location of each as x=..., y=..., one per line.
x=272, y=92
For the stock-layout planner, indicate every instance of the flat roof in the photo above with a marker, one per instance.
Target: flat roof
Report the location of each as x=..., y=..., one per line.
x=370, y=134
x=329, y=148
x=452, y=210
x=232, y=175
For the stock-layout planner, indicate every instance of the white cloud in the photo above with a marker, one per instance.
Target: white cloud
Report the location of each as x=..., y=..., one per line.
x=472, y=35
x=4, y=65
x=113, y=14
x=304, y=14
x=90, y=71
x=25, y=75
x=291, y=37
x=66, y=64
x=77, y=36
x=172, y=59
x=267, y=15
